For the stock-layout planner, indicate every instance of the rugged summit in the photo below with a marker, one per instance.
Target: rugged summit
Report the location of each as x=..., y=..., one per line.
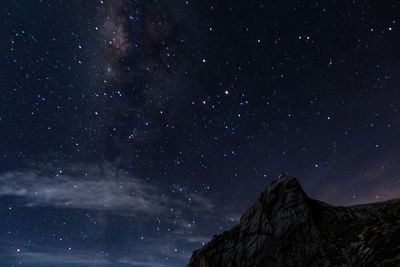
x=287, y=228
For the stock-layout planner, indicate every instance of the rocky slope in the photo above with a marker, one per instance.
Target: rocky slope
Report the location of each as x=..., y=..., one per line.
x=286, y=228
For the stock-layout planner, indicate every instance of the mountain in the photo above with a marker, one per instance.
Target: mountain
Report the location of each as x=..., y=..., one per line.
x=287, y=228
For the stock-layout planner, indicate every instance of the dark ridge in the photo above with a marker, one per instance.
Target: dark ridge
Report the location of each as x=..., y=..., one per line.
x=287, y=228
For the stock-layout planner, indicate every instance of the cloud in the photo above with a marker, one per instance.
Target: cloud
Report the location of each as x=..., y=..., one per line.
x=196, y=239
x=88, y=258
x=57, y=258
x=93, y=191
x=95, y=188
x=113, y=191
x=133, y=262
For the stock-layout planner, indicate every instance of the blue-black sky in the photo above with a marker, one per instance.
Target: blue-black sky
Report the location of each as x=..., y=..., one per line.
x=132, y=131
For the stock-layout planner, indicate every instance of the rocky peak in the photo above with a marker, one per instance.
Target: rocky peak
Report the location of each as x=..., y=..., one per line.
x=285, y=227
x=283, y=194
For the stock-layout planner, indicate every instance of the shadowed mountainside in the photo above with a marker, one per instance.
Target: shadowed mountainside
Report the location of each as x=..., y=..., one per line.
x=287, y=228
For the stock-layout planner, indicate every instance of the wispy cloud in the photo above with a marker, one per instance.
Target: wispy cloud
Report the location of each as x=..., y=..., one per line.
x=57, y=258
x=95, y=188
x=133, y=262
x=99, y=192
x=113, y=191
x=87, y=259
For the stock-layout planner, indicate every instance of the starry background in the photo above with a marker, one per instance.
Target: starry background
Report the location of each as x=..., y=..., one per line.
x=132, y=131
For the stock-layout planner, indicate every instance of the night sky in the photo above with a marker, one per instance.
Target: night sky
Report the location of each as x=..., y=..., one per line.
x=133, y=131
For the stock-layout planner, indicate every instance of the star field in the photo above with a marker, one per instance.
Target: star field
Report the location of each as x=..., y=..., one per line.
x=133, y=131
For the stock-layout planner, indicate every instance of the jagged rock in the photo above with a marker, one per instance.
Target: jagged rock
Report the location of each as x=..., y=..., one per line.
x=287, y=228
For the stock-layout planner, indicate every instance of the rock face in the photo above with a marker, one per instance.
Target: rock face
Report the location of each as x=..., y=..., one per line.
x=286, y=228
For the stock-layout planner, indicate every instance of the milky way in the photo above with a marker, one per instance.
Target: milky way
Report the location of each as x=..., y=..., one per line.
x=143, y=55
x=132, y=131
